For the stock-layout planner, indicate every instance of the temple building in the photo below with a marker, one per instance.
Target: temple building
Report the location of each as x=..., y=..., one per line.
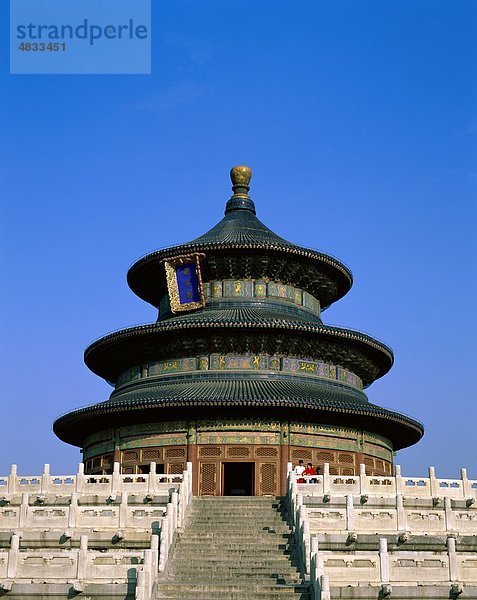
x=239, y=375
x=188, y=486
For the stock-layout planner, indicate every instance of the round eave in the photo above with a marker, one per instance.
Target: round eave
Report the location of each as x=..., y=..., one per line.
x=401, y=430
x=112, y=354
x=146, y=277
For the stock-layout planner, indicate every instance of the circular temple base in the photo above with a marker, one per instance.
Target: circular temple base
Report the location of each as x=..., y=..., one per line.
x=237, y=456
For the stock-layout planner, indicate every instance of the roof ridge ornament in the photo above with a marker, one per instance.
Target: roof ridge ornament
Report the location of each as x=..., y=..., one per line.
x=240, y=176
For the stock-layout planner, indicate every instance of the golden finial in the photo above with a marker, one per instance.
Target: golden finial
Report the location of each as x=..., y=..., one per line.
x=241, y=176
x=240, y=200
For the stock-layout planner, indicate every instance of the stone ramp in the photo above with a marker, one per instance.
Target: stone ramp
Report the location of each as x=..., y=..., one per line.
x=231, y=548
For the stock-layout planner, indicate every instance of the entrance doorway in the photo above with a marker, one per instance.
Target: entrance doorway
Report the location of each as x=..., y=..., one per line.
x=238, y=478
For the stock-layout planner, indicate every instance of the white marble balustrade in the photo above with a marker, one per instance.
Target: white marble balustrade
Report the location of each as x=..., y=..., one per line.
x=85, y=484
x=120, y=508
x=411, y=513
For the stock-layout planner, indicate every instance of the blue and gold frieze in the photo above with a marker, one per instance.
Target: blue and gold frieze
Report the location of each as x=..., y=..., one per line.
x=231, y=438
x=238, y=425
x=348, y=377
x=95, y=449
x=296, y=365
x=204, y=364
x=249, y=289
x=213, y=290
x=237, y=288
x=378, y=451
x=180, y=365
x=366, y=440
x=329, y=430
x=156, y=440
x=239, y=362
x=260, y=289
x=137, y=436
x=152, y=431
x=314, y=441
x=375, y=438
x=244, y=362
x=140, y=429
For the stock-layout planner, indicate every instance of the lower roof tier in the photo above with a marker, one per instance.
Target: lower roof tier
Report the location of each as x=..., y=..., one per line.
x=189, y=399
x=238, y=331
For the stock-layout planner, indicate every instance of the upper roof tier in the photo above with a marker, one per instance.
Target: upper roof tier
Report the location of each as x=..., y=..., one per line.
x=240, y=246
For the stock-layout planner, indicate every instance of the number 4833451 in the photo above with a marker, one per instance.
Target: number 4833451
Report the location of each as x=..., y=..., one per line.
x=43, y=47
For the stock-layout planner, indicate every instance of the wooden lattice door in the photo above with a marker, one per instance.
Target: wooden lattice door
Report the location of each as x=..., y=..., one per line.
x=268, y=479
x=207, y=479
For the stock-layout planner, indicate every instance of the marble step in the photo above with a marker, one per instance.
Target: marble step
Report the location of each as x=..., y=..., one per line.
x=235, y=570
x=244, y=510
x=223, y=553
x=208, y=533
x=248, y=568
x=231, y=519
x=242, y=541
x=206, y=516
x=236, y=529
x=259, y=577
x=218, y=554
x=238, y=499
x=233, y=548
x=219, y=551
x=236, y=557
x=200, y=591
x=262, y=524
x=225, y=593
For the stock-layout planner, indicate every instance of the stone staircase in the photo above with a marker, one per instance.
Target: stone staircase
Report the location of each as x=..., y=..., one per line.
x=231, y=548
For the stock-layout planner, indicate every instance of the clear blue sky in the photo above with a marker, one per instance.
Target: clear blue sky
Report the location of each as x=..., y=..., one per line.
x=359, y=120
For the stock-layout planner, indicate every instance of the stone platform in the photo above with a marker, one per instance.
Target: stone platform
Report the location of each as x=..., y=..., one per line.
x=144, y=537
x=387, y=537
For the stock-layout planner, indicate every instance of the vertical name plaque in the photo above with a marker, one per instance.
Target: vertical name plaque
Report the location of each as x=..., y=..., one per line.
x=184, y=282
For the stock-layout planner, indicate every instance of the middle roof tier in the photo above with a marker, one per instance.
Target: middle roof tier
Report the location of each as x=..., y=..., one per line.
x=244, y=330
